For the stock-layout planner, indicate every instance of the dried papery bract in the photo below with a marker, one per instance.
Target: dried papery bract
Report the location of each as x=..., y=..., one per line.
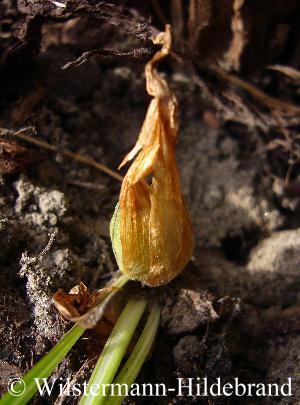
x=151, y=230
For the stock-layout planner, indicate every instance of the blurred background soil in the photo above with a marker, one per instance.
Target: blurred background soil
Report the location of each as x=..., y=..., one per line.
x=71, y=75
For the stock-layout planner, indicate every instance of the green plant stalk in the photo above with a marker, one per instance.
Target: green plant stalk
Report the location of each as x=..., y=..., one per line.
x=42, y=369
x=113, y=352
x=45, y=367
x=132, y=367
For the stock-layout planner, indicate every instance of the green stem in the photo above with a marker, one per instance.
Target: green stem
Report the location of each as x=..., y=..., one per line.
x=27, y=387
x=131, y=369
x=113, y=352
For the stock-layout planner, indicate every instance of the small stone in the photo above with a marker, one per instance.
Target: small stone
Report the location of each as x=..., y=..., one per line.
x=191, y=310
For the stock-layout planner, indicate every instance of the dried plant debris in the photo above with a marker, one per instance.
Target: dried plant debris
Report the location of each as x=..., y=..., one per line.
x=38, y=12
x=74, y=303
x=85, y=308
x=14, y=157
x=229, y=27
x=240, y=89
x=244, y=28
x=135, y=53
x=239, y=38
x=292, y=73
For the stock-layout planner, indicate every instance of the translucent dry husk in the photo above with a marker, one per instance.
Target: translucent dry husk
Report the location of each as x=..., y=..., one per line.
x=151, y=230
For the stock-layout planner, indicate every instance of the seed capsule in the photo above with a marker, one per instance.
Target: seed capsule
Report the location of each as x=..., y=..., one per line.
x=151, y=231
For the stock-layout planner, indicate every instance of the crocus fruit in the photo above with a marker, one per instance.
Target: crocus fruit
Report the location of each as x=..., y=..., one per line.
x=151, y=231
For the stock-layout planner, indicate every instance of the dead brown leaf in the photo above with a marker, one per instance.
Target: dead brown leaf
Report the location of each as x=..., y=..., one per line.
x=14, y=157
x=78, y=301
x=87, y=309
x=74, y=303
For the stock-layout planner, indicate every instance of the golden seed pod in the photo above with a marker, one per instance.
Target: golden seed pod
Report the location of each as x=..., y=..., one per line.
x=151, y=231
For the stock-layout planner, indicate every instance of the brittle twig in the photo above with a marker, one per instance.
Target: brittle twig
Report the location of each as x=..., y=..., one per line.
x=75, y=156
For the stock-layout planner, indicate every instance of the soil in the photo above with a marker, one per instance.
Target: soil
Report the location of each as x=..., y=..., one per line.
x=233, y=312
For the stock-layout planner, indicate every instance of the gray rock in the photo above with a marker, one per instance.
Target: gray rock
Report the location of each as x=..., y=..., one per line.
x=190, y=310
